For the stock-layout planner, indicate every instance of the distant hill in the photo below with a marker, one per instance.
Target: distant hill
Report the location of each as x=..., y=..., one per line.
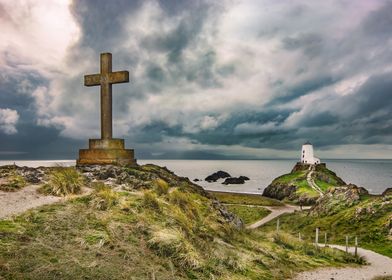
x=295, y=186
x=348, y=211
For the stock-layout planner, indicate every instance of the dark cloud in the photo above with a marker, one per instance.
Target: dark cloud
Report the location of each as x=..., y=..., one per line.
x=206, y=75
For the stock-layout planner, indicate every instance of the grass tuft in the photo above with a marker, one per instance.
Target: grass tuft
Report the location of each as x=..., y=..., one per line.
x=150, y=200
x=14, y=183
x=63, y=181
x=173, y=243
x=104, y=197
x=161, y=187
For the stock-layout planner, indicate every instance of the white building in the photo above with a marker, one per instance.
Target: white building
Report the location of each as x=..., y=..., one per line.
x=307, y=156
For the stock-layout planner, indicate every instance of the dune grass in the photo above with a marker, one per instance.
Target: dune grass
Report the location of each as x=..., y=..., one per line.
x=13, y=182
x=63, y=181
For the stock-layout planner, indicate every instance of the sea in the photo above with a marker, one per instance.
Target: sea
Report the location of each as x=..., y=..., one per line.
x=374, y=175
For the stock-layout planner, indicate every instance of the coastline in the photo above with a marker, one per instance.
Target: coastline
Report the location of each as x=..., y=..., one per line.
x=374, y=175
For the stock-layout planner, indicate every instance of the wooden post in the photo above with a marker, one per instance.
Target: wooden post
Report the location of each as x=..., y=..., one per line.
x=317, y=236
x=346, y=243
x=325, y=239
x=277, y=226
x=299, y=236
x=356, y=246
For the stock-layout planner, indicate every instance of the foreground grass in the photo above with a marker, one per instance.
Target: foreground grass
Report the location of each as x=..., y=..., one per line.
x=249, y=214
x=168, y=231
x=247, y=199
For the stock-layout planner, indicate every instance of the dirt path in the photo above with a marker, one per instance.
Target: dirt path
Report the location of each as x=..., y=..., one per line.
x=276, y=211
x=311, y=182
x=22, y=200
x=18, y=202
x=379, y=266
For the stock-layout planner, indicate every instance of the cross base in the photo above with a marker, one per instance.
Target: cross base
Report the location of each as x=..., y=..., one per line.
x=106, y=151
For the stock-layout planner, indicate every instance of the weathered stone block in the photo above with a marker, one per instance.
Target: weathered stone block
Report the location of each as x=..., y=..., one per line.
x=106, y=151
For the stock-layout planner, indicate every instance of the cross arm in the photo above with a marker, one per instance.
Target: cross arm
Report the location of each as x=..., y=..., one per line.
x=92, y=80
x=119, y=77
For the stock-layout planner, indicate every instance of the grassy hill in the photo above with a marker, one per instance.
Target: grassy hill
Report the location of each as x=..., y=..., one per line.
x=294, y=186
x=346, y=211
x=149, y=224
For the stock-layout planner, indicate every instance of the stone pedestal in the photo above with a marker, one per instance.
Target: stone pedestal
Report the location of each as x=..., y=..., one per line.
x=106, y=151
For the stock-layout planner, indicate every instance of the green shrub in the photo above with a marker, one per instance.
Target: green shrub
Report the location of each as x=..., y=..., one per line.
x=14, y=182
x=104, y=197
x=63, y=181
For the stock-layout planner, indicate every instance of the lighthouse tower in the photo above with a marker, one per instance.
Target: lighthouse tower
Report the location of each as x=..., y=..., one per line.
x=307, y=155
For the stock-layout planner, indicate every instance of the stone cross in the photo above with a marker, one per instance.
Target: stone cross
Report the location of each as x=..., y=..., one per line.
x=105, y=79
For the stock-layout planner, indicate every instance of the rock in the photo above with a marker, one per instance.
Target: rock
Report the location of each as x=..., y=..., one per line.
x=244, y=178
x=32, y=178
x=387, y=192
x=196, y=180
x=234, y=180
x=228, y=216
x=336, y=199
x=217, y=175
x=279, y=191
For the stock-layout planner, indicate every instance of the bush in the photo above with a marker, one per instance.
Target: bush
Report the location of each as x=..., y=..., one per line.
x=14, y=182
x=104, y=197
x=63, y=181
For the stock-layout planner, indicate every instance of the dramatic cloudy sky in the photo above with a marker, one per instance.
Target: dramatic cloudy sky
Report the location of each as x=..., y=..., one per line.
x=209, y=79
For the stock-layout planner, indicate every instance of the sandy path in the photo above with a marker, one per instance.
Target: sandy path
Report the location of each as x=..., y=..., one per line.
x=22, y=200
x=276, y=211
x=18, y=202
x=311, y=182
x=379, y=266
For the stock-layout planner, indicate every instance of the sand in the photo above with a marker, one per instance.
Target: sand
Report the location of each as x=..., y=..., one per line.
x=17, y=202
x=379, y=266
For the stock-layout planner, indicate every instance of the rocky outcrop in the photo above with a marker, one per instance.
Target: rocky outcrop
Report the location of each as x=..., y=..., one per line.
x=279, y=192
x=235, y=180
x=387, y=192
x=288, y=192
x=216, y=176
x=337, y=199
x=31, y=175
x=300, y=185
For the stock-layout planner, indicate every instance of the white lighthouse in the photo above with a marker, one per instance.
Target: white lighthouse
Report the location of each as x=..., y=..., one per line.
x=307, y=155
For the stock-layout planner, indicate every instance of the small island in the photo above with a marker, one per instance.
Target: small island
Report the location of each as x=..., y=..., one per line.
x=308, y=180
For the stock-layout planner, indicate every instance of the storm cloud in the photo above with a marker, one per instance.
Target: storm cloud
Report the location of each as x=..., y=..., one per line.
x=209, y=79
